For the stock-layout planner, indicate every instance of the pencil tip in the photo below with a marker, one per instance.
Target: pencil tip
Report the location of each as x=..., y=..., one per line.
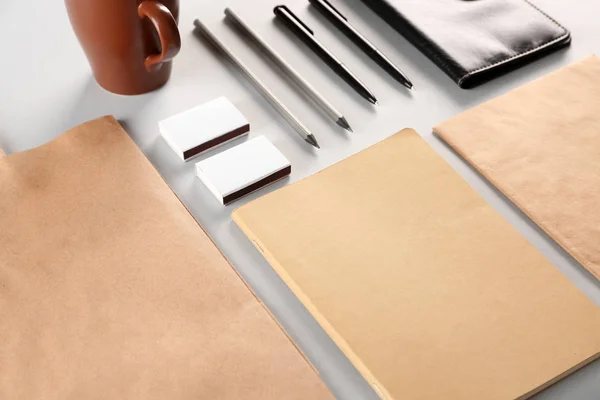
x=312, y=141
x=344, y=124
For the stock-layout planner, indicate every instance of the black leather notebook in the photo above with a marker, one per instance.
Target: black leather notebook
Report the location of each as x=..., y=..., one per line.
x=474, y=41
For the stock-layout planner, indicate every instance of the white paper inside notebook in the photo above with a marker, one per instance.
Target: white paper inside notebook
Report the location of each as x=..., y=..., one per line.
x=203, y=125
x=238, y=168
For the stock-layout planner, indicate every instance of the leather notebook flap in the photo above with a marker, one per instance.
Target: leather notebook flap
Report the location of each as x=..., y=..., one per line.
x=474, y=41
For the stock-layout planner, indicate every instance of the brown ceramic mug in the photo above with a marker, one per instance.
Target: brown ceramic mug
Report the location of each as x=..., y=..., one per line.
x=129, y=43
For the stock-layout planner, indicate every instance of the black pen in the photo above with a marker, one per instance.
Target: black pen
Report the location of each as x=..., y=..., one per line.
x=341, y=22
x=305, y=34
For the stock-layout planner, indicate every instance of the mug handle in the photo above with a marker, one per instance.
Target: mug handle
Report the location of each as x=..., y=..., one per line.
x=166, y=26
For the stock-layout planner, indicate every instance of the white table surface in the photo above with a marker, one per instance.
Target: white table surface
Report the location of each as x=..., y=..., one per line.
x=46, y=87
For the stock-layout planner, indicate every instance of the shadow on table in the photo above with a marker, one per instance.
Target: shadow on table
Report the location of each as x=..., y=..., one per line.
x=4, y=143
x=95, y=102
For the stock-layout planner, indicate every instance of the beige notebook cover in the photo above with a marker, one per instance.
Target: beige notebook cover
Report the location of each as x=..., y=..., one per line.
x=109, y=289
x=427, y=290
x=540, y=146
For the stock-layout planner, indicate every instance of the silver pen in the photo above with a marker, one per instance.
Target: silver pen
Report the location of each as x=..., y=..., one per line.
x=260, y=87
x=291, y=73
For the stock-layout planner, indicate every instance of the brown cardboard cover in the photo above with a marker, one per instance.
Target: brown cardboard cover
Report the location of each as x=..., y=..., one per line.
x=427, y=290
x=540, y=146
x=109, y=289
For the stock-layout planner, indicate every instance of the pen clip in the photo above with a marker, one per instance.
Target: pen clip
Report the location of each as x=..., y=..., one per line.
x=283, y=9
x=334, y=9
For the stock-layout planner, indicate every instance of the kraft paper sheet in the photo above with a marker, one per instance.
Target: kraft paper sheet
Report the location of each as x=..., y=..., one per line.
x=426, y=289
x=540, y=146
x=109, y=289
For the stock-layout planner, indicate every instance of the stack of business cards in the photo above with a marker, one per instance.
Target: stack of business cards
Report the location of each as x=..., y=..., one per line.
x=243, y=169
x=204, y=127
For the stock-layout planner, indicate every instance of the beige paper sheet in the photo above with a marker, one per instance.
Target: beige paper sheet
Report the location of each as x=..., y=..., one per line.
x=540, y=146
x=427, y=290
x=109, y=289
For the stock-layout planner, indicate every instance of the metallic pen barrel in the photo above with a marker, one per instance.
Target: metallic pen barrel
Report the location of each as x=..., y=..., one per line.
x=355, y=83
x=393, y=70
x=307, y=36
x=338, y=20
x=289, y=71
x=259, y=86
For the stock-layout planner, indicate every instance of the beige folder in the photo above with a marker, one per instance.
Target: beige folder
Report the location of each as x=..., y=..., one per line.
x=427, y=290
x=109, y=289
x=540, y=146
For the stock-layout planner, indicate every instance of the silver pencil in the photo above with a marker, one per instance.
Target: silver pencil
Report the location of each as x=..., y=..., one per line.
x=260, y=87
x=290, y=72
